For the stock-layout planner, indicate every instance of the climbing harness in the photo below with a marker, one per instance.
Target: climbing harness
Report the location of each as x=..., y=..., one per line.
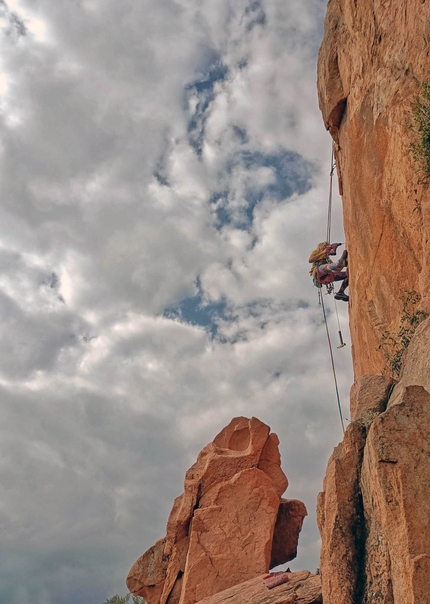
x=329, y=290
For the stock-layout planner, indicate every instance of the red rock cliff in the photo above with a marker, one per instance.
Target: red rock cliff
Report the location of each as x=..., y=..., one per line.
x=374, y=57
x=374, y=511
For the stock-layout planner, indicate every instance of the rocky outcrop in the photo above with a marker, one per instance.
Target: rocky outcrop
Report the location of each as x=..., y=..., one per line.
x=374, y=512
x=368, y=397
x=373, y=59
x=301, y=588
x=416, y=361
x=395, y=478
x=341, y=522
x=229, y=525
x=286, y=534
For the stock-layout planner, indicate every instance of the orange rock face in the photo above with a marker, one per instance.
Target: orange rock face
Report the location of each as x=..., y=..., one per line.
x=289, y=523
x=301, y=588
x=372, y=62
x=369, y=395
x=220, y=531
x=395, y=482
x=231, y=535
x=374, y=512
x=341, y=521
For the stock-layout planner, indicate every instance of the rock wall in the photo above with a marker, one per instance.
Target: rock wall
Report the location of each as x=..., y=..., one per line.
x=373, y=59
x=374, y=512
x=230, y=524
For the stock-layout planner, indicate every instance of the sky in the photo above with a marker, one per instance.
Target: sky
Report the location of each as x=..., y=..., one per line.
x=164, y=177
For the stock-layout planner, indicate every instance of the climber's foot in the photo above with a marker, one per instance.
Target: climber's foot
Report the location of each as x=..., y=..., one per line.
x=341, y=296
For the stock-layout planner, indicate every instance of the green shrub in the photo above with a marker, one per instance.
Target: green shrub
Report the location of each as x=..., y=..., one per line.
x=394, y=346
x=420, y=148
x=125, y=600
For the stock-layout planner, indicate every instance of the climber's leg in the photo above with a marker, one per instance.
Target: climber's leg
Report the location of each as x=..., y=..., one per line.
x=340, y=295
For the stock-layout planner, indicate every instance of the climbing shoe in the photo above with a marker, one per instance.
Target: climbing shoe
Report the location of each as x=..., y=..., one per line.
x=343, y=260
x=341, y=296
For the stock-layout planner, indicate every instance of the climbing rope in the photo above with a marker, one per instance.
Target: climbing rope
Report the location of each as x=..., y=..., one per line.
x=342, y=343
x=332, y=360
x=321, y=297
x=330, y=196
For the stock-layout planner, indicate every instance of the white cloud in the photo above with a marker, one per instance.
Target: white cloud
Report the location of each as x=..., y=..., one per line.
x=148, y=157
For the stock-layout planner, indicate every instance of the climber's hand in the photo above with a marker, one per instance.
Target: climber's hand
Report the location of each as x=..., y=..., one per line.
x=332, y=248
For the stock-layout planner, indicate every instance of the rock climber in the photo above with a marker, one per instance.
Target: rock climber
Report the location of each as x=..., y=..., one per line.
x=324, y=271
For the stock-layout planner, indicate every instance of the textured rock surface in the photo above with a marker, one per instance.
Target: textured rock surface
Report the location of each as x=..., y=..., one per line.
x=416, y=360
x=368, y=397
x=231, y=536
x=341, y=522
x=302, y=588
x=220, y=530
x=374, y=513
x=289, y=523
x=395, y=483
x=372, y=62
x=149, y=572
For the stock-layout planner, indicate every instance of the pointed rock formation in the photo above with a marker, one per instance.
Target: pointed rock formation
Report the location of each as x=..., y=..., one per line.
x=221, y=530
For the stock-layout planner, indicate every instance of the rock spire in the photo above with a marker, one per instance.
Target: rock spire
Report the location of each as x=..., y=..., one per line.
x=230, y=524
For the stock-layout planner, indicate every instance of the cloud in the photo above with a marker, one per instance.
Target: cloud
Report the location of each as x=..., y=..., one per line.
x=164, y=180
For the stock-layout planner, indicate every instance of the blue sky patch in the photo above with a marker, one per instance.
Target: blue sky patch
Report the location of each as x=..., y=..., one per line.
x=160, y=174
x=203, y=89
x=256, y=14
x=291, y=174
x=195, y=311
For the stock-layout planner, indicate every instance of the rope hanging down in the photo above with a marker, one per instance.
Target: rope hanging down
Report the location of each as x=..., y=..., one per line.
x=330, y=196
x=332, y=360
x=342, y=343
x=321, y=299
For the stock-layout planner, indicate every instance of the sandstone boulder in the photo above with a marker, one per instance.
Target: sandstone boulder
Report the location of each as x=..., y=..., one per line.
x=288, y=525
x=221, y=530
x=149, y=572
x=231, y=536
x=301, y=588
